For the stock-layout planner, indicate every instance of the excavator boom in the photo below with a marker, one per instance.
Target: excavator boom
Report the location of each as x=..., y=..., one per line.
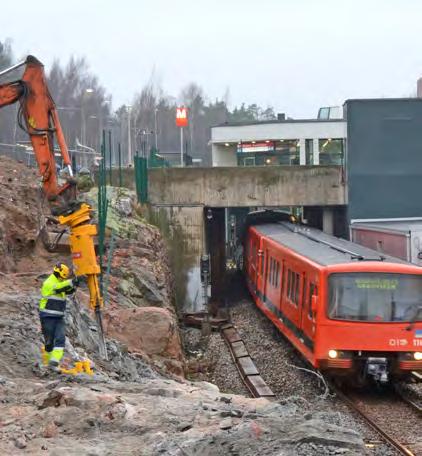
x=38, y=117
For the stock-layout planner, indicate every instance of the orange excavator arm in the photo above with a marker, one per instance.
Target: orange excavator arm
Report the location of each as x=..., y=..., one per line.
x=38, y=117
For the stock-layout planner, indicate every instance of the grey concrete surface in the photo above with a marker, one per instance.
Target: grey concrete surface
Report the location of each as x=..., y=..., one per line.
x=248, y=186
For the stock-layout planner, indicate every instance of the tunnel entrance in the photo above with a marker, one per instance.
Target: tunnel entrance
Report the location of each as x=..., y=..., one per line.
x=215, y=241
x=225, y=228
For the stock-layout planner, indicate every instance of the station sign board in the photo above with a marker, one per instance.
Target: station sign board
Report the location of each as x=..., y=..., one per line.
x=264, y=146
x=181, y=117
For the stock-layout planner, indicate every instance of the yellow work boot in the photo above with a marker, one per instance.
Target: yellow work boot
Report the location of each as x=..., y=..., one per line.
x=45, y=356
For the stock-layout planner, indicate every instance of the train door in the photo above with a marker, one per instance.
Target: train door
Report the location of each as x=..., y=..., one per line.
x=253, y=261
x=273, y=281
x=293, y=293
x=307, y=316
x=266, y=271
x=260, y=272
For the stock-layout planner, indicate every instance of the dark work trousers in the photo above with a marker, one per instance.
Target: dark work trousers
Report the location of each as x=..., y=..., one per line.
x=53, y=330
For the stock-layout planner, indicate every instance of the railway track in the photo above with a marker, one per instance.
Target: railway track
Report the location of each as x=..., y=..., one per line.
x=385, y=412
x=393, y=416
x=393, y=421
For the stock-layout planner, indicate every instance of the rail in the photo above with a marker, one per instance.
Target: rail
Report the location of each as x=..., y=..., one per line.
x=352, y=403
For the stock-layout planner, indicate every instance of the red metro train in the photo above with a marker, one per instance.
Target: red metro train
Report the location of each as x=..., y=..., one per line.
x=348, y=310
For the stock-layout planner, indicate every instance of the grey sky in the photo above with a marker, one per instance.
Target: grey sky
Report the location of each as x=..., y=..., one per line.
x=295, y=55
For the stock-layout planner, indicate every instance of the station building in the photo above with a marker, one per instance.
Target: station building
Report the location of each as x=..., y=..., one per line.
x=282, y=141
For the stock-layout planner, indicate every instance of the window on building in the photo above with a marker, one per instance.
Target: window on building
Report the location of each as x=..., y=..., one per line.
x=331, y=151
x=309, y=151
x=287, y=151
x=246, y=161
x=324, y=113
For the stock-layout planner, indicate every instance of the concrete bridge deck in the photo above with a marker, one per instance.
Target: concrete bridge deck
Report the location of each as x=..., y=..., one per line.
x=247, y=186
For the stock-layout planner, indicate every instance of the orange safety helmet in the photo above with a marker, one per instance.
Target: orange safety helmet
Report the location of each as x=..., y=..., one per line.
x=62, y=270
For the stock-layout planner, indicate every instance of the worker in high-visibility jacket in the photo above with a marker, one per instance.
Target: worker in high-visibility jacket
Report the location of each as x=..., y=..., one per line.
x=52, y=309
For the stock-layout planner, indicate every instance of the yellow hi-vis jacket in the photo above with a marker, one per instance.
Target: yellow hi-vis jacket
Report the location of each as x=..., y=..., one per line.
x=53, y=296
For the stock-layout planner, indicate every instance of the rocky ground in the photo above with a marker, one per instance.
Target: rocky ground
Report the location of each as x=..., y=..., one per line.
x=139, y=401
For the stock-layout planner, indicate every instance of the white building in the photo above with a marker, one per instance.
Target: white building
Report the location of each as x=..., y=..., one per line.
x=281, y=142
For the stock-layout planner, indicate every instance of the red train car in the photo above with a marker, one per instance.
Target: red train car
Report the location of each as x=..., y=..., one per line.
x=347, y=309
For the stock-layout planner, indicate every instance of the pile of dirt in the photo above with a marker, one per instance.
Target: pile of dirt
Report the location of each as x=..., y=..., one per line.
x=19, y=216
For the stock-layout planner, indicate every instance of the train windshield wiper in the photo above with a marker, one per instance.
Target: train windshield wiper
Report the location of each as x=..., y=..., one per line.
x=415, y=317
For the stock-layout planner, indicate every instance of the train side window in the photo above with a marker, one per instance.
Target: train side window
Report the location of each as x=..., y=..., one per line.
x=294, y=288
x=313, y=290
x=287, y=282
x=277, y=274
x=282, y=277
x=262, y=262
x=296, y=300
x=271, y=271
x=292, y=293
x=293, y=285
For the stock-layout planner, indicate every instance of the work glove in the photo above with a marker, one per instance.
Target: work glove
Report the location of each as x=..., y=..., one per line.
x=75, y=281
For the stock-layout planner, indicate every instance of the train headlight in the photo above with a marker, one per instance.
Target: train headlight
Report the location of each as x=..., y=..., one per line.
x=332, y=354
x=417, y=356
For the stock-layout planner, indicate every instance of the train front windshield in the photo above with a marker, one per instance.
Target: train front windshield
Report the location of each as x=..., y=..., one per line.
x=376, y=297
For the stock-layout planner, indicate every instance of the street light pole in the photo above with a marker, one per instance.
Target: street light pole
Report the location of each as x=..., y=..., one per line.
x=83, y=116
x=155, y=129
x=181, y=147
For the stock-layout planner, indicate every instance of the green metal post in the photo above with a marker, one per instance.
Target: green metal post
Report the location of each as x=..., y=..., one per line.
x=120, y=167
x=102, y=206
x=110, y=153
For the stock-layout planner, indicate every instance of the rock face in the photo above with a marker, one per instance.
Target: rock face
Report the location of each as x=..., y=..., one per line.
x=151, y=330
x=160, y=417
x=138, y=310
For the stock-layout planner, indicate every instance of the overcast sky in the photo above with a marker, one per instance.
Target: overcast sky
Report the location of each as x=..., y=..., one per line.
x=295, y=55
